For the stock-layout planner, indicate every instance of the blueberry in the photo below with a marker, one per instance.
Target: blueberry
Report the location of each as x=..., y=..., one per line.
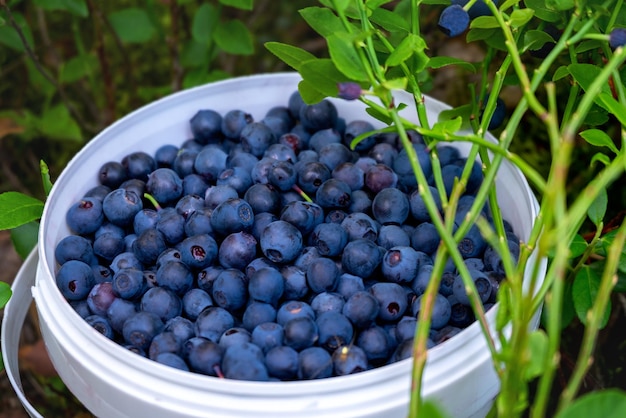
x=440, y=312
x=282, y=362
x=405, y=329
x=234, y=121
x=266, y=285
x=327, y=302
x=349, y=360
x=379, y=177
x=262, y=198
x=188, y=205
x=334, y=154
x=392, y=299
x=100, y=324
x=374, y=341
x=198, y=223
x=304, y=216
x=401, y=264
x=454, y=20
x=215, y=195
x=134, y=185
x=195, y=301
x=361, y=257
x=198, y=251
x=351, y=174
x=404, y=170
x=390, y=206
x=294, y=309
x=148, y=245
x=237, y=250
x=138, y=165
x=129, y=283
x=244, y=362
x=120, y=206
x=233, y=215
x=74, y=247
x=425, y=238
x=392, y=236
x=300, y=333
x=145, y=219
x=164, y=342
x=164, y=185
x=360, y=226
x=119, y=311
x=126, y=260
x=140, y=328
x=472, y=244
x=461, y=315
x=361, y=309
x=229, y=290
x=85, y=216
x=181, y=327
x=242, y=159
x=617, y=38
x=260, y=171
x=282, y=175
x=212, y=322
x=236, y=177
x=294, y=104
x=277, y=124
x=98, y=192
x=261, y=220
x=235, y=336
x=281, y=242
x=335, y=330
x=203, y=355
x=333, y=193
x=478, y=9
x=317, y=116
x=281, y=152
x=314, y=363
x=165, y=155
x=75, y=280
x=383, y=153
x=256, y=313
x=102, y=273
x=295, y=282
x=210, y=162
x=329, y=238
x=256, y=137
x=322, y=275
x=172, y=360
x=100, y=298
x=418, y=206
x=348, y=285
x=184, y=162
x=268, y=335
x=206, y=126
x=162, y=302
x=112, y=174
x=482, y=283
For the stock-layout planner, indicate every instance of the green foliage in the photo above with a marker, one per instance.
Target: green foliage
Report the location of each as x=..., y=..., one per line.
x=610, y=403
x=17, y=209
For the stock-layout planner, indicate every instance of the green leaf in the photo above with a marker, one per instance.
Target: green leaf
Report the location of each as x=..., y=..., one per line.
x=432, y=409
x=507, y=4
x=585, y=74
x=599, y=139
x=606, y=403
x=24, y=238
x=597, y=210
x=77, y=7
x=561, y=4
x=588, y=45
x=234, y=38
x=577, y=246
x=389, y=20
x=448, y=126
x=322, y=21
x=17, y=209
x=410, y=45
x=543, y=12
x=585, y=290
x=441, y=61
x=57, y=123
x=77, y=67
x=291, y=55
x=309, y=93
x=520, y=17
x=464, y=112
x=345, y=57
x=195, y=54
x=484, y=22
x=204, y=22
x=132, y=25
x=199, y=76
x=323, y=75
x=9, y=36
x=239, y=4
x=5, y=295
x=560, y=72
x=617, y=109
x=538, y=352
x=535, y=39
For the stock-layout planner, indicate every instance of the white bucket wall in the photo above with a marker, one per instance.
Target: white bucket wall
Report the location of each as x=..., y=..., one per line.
x=113, y=382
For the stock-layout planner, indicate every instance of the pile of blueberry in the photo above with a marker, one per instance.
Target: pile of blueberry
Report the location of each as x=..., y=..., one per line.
x=270, y=250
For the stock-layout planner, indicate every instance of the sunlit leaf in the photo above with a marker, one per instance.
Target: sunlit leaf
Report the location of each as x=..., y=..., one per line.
x=17, y=209
x=291, y=55
x=599, y=138
x=538, y=352
x=5, y=295
x=345, y=57
x=441, y=61
x=520, y=17
x=322, y=21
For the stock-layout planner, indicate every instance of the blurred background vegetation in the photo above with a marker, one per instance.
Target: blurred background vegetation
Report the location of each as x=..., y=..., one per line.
x=73, y=67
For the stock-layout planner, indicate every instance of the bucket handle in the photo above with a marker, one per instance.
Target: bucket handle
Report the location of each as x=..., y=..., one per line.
x=14, y=315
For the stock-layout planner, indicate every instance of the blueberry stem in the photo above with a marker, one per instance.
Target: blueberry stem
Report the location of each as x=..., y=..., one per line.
x=301, y=192
x=152, y=200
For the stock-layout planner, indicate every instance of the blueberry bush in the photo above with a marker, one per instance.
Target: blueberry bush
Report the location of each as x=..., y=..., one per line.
x=565, y=56
x=575, y=91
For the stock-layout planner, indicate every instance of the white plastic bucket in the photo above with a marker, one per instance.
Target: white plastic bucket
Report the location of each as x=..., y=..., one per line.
x=113, y=382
